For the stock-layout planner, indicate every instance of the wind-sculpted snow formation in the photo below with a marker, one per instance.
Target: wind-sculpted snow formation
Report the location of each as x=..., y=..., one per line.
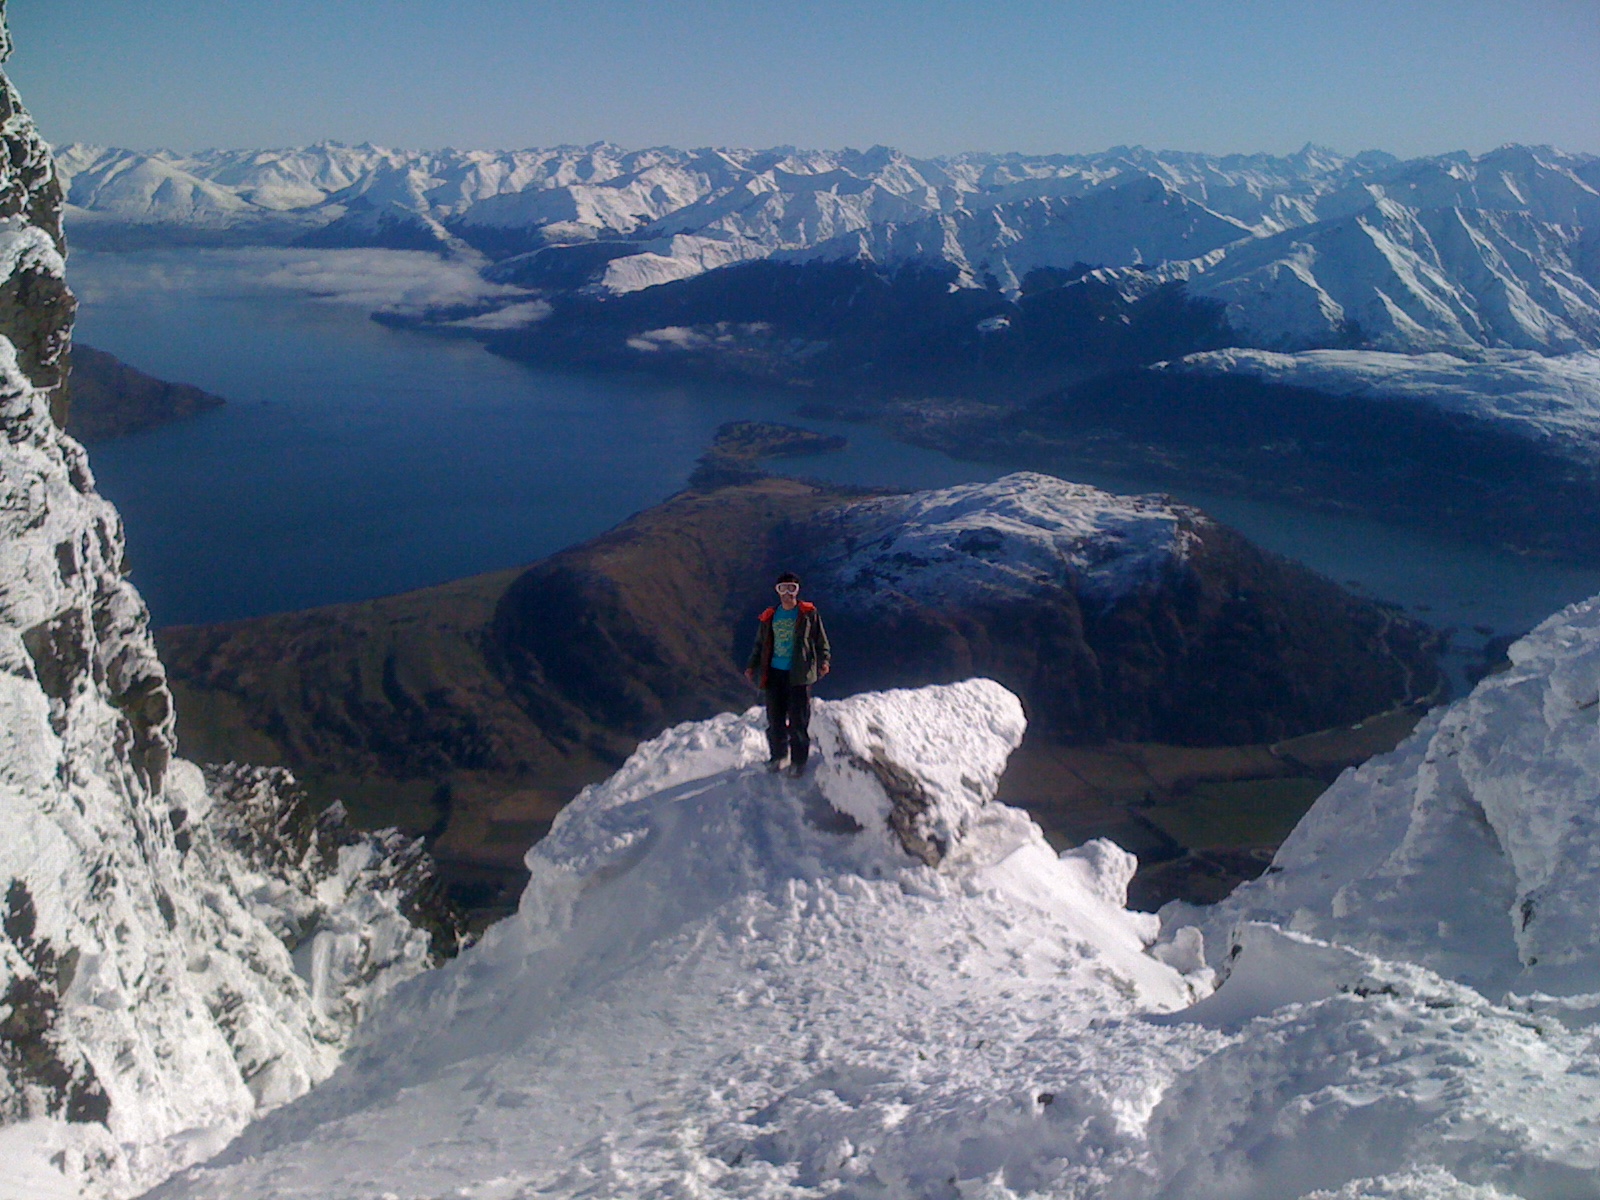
x=1472, y=849
x=1312, y=249
x=1449, y=888
x=713, y=983
x=176, y=955
x=718, y=986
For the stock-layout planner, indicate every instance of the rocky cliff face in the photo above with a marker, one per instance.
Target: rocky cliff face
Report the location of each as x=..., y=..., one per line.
x=177, y=953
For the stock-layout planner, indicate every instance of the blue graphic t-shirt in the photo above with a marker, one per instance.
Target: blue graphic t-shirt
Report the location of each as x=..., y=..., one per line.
x=783, y=623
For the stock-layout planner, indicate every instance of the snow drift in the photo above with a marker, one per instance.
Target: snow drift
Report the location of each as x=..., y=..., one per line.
x=719, y=986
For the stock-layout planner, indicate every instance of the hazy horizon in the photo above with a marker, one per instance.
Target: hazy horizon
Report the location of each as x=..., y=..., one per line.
x=1020, y=76
x=630, y=148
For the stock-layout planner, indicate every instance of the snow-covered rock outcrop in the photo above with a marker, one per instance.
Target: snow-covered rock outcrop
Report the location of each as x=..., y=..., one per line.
x=717, y=980
x=717, y=985
x=176, y=955
x=1019, y=536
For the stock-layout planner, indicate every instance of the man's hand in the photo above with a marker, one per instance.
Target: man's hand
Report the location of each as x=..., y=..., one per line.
x=750, y=675
x=824, y=670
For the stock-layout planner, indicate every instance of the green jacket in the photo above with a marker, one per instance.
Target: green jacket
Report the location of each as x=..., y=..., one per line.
x=811, y=649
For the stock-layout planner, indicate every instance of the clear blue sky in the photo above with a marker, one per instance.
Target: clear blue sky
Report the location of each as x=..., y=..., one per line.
x=930, y=77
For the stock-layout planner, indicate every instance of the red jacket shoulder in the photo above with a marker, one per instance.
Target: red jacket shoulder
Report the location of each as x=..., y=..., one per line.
x=807, y=606
x=766, y=616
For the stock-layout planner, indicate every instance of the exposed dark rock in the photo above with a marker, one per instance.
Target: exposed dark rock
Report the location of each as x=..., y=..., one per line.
x=263, y=815
x=59, y=651
x=41, y=1075
x=908, y=804
x=36, y=309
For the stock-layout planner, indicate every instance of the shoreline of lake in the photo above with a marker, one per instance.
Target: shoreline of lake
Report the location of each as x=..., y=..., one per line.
x=356, y=460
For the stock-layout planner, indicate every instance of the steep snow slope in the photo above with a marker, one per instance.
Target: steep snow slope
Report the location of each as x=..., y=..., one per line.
x=711, y=985
x=1548, y=185
x=1120, y=224
x=1553, y=399
x=715, y=988
x=1405, y=279
x=176, y=955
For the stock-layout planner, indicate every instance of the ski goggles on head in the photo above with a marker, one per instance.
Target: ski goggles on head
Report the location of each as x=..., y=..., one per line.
x=788, y=589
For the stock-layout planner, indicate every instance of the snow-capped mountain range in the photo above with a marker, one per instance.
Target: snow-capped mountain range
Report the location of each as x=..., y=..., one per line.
x=876, y=981
x=1313, y=249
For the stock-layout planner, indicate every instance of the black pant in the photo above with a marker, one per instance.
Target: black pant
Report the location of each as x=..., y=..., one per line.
x=788, y=716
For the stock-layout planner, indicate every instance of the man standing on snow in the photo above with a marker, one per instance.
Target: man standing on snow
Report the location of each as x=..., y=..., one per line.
x=791, y=653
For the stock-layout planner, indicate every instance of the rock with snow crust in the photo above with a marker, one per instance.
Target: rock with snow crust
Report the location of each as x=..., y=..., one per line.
x=151, y=999
x=1472, y=849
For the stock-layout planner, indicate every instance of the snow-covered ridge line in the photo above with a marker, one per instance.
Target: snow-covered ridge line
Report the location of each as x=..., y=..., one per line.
x=1553, y=399
x=1313, y=249
x=711, y=979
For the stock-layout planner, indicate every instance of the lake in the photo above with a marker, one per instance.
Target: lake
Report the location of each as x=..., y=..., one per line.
x=355, y=460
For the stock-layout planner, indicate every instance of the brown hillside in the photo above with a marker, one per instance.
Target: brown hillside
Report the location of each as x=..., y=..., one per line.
x=476, y=709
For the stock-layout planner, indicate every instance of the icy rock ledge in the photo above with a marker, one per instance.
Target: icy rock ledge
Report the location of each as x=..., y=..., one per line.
x=924, y=764
x=1473, y=849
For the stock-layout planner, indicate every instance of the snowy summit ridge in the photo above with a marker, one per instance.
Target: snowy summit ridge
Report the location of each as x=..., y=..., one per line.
x=714, y=983
x=705, y=948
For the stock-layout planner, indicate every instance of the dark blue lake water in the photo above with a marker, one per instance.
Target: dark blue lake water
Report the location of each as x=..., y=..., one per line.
x=354, y=460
